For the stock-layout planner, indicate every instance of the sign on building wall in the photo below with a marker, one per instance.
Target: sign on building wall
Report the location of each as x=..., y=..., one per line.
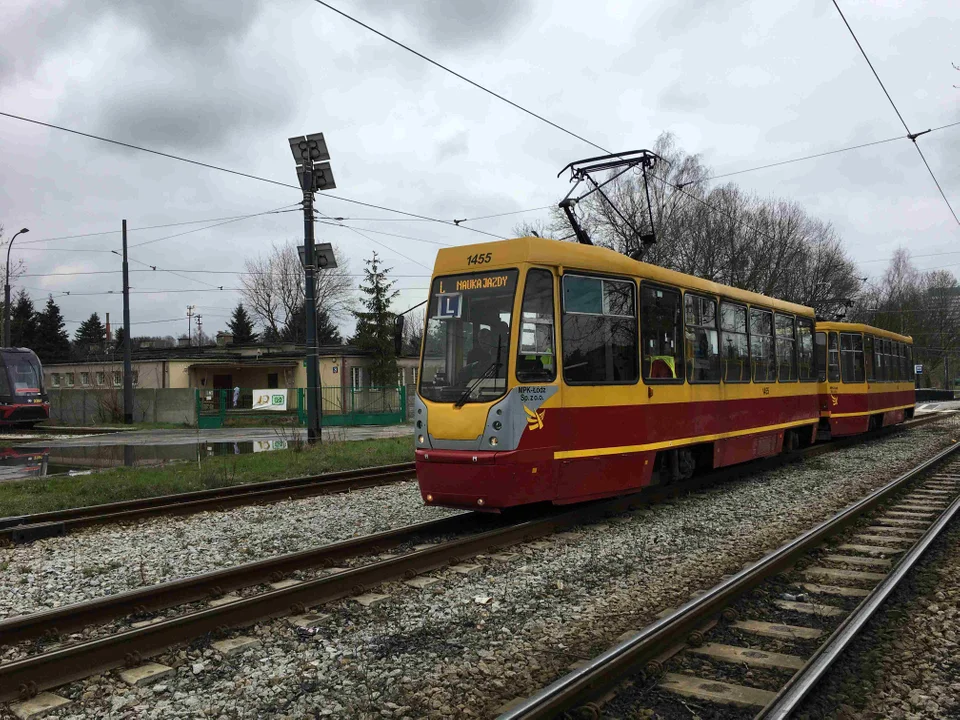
x=269, y=399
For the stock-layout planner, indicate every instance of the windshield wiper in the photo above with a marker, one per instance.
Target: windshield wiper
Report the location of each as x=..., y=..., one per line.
x=495, y=366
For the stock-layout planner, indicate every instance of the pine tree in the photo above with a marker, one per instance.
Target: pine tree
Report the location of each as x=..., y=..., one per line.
x=118, y=337
x=90, y=336
x=23, y=321
x=241, y=326
x=375, y=325
x=327, y=332
x=52, y=343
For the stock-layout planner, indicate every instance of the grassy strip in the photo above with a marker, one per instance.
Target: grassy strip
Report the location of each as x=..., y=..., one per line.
x=56, y=493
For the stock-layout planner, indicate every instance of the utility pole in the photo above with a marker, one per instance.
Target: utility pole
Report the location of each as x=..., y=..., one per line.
x=314, y=433
x=200, y=331
x=189, y=323
x=127, y=369
x=311, y=156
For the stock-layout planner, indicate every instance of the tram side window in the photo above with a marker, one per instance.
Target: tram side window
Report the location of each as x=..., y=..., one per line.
x=808, y=365
x=536, y=358
x=599, y=331
x=894, y=373
x=762, y=353
x=911, y=368
x=881, y=366
x=904, y=370
x=703, y=352
x=734, y=344
x=868, y=357
x=833, y=358
x=821, y=357
x=851, y=357
x=660, y=328
x=786, y=348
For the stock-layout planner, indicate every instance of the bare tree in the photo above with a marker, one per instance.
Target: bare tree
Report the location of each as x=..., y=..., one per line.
x=273, y=288
x=413, y=331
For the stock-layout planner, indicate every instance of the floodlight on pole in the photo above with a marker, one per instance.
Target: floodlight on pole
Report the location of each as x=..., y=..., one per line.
x=315, y=174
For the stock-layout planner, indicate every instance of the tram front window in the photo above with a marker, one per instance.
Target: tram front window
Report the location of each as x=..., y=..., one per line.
x=467, y=344
x=23, y=371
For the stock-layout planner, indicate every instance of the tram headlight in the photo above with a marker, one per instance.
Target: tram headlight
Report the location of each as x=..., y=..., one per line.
x=497, y=425
x=494, y=441
x=419, y=424
x=420, y=439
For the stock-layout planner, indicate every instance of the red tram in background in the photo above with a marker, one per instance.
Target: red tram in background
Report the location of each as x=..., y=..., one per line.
x=560, y=372
x=866, y=378
x=23, y=399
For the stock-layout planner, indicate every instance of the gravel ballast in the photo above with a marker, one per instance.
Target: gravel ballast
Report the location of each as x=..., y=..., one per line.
x=470, y=643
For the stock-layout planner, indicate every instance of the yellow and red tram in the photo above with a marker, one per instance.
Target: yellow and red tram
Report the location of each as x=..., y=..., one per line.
x=866, y=378
x=558, y=372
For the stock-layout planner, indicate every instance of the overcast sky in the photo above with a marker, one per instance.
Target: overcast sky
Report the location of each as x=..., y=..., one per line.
x=743, y=83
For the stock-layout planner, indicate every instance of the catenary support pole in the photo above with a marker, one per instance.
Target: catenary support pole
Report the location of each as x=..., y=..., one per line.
x=127, y=370
x=310, y=267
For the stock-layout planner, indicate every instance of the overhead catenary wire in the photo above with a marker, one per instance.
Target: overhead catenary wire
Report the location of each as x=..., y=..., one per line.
x=911, y=135
x=239, y=173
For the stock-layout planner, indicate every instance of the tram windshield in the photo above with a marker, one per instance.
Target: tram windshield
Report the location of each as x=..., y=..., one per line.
x=467, y=344
x=23, y=374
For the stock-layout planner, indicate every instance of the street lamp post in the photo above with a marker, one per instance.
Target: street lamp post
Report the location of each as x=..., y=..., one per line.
x=310, y=154
x=6, y=293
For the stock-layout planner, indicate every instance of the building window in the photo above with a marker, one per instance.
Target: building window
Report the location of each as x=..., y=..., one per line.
x=416, y=374
x=660, y=328
x=401, y=380
x=356, y=377
x=786, y=348
x=762, y=346
x=703, y=352
x=136, y=377
x=535, y=355
x=117, y=378
x=599, y=331
x=55, y=379
x=101, y=378
x=84, y=378
x=851, y=357
x=808, y=365
x=71, y=377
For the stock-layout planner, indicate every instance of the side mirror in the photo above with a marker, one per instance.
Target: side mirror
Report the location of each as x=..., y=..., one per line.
x=398, y=335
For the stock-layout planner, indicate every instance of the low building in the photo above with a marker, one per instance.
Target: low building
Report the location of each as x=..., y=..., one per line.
x=344, y=371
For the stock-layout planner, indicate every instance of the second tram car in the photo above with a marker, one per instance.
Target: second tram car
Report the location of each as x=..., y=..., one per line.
x=23, y=400
x=558, y=372
x=866, y=378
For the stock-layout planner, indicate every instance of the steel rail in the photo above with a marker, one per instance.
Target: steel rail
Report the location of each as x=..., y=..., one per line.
x=583, y=684
x=67, y=618
x=24, y=677
x=806, y=679
x=26, y=527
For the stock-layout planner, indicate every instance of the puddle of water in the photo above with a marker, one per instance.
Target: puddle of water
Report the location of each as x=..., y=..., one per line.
x=25, y=462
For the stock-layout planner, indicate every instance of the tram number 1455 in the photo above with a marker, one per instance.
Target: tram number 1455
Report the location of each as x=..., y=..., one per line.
x=480, y=259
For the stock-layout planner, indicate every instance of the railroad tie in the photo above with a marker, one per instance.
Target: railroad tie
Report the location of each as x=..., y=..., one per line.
x=855, y=560
x=779, y=631
x=749, y=656
x=713, y=691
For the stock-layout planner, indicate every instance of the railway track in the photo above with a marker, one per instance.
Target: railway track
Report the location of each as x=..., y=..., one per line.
x=26, y=528
x=60, y=664
x=759, y=642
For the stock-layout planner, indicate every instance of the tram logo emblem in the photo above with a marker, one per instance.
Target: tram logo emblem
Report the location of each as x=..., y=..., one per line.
x=534, y=418
x=834, y=399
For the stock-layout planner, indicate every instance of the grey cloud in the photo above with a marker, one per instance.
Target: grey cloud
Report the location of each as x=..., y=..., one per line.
x=456, y=23
x=452, y=147
x=678, y=98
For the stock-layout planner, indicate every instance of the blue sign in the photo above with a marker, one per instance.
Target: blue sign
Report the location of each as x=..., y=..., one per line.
x=448, y=306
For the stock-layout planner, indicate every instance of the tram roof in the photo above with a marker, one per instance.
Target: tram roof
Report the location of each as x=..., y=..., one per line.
x=576, y=256
x=861, y=328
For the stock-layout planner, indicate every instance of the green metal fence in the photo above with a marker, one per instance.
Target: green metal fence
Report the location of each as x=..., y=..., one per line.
x=340, y=406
